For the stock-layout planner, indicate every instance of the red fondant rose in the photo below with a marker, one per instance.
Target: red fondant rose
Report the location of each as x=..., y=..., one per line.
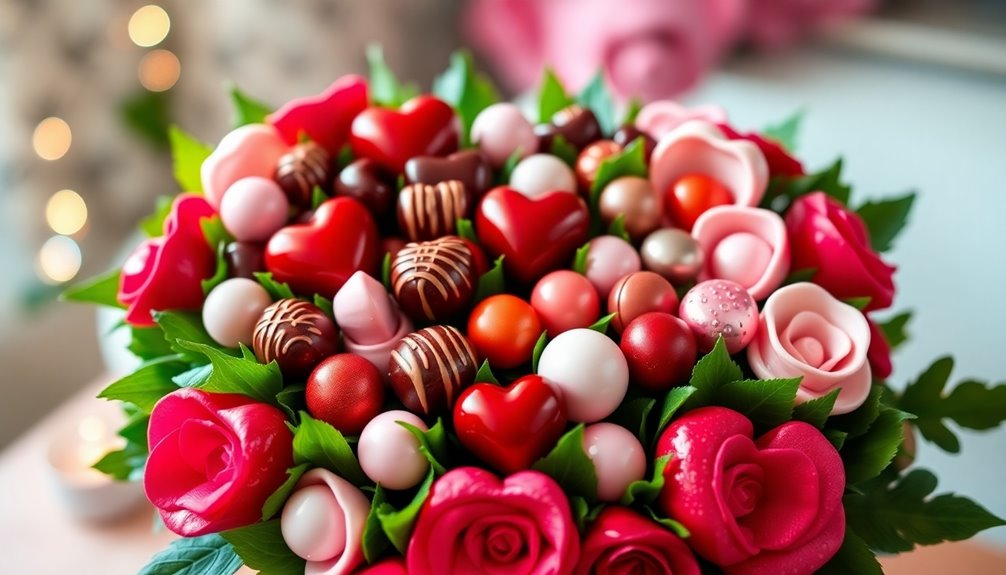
x=622, y=542
x=214, y=460
x=879, y=354
x=166, y=273
x=474, y=523
x=780, y=162
x=754, y=507
x=827, y=237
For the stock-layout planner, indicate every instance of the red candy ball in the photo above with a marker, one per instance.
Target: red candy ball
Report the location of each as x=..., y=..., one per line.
x=565, y=300
x=692, y=195
x=345, y=391
x=504, y=329
x=660, y=350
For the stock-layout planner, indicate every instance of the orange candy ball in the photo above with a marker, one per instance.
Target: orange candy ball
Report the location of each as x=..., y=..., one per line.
x=691, y=195
x=504, y=328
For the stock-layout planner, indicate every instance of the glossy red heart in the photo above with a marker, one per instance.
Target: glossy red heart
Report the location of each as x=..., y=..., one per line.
x=423, y=126
x=319, y=255
x=509, y=427
x=536, y=235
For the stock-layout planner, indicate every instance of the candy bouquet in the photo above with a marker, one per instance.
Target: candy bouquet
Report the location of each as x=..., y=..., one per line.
x=386, y=332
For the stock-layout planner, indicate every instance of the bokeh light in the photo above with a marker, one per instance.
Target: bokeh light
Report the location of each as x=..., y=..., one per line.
x=149, y=25
x=58, y=260
x=51, y=139
x=66, y=212
x=159, y=70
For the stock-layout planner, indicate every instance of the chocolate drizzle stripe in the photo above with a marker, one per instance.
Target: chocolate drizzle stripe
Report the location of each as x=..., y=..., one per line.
x=410, y=365
x=431, y=264
x=274, y=340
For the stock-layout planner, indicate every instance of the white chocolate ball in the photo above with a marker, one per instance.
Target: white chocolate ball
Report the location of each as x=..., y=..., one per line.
x=539, y=174
x=313, y=524
x=500, y=130
x=588, y=370
x=618, y=457
x=389, y=453
x=232, y=309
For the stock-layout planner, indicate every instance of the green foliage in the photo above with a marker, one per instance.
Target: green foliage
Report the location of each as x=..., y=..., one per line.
x=869, y=454
x=467, y=90
x=185, y=326
x=485, y=374
x=385, y=89
x=765, y=401
x=188, y=155
x=318, y=197
x=239, y=375
x=318, y=443
x=580, y=259
x=432, y=444
x=855, y=556
x=539, y=346
x=277, y=290
x=885, y=219
x=246, y=110
x=629, y=162
x=894, y=329
x=675, y=398
x=396, y=525
x=552, y=97
x=147, y=385
x=816, y=411
x=783, y=190
x=785, y=132
x=101, y=290
x=562, y=149
x=274, y=504
x=596, y=97
x=221, y=271
x=647, y=490
x=125, y=464
x=492, y=282
x=466, y=230
x=602, y=324
x=570, y=466
x=152, y=226
x=195, y=556
x=617, y=228
x=261, y=546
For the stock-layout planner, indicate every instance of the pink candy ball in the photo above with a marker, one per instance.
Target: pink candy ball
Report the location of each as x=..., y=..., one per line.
x=500, y=130
x=743, y=257
x=389, y=453
x=720, y=307
x=253, y=209
x=588, y=370
x=539, y=174
x=232, y=309
x=610, y=259
x=619, y=458
x=313, y=523
x=565, y=300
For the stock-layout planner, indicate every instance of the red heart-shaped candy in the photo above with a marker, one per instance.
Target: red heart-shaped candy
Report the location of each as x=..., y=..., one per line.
x=423, y=126
x=536, y=235
x=319, y=256
x=509, y=428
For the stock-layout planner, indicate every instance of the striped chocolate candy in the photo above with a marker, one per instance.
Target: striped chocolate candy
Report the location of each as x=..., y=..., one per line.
x=430, y=368
x=299, y=171
x=296, y=334
x=433, y=280
x=428, y=212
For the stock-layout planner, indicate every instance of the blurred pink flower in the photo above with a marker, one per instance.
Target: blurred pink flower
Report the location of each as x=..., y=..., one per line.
x=780, y=23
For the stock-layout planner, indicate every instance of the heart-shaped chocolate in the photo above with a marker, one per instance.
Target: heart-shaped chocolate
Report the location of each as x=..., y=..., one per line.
x=427, y=212
x=318, y=256
x=535, y=235
x=470, y=167
x=423, y=126
x=509, y=428
x=369, y=183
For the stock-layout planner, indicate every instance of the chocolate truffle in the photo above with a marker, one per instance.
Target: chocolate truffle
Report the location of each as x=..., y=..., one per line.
x=428, y=212
x=629, y=133
x=295, y=333
x=636, y=201
x=244, y=259
x=430, y=367
x=301, y=169
x=578, y=125
x=433, y=280
x=373, y=186
x=469, y=167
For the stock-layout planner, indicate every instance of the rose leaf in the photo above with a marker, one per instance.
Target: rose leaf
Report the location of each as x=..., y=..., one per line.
x=179, y=326
x=101, y=290
x=713, y=371
x=491, y=282
x=596, y=97
x=869, y=454
x=322, y=445
x=885, y=219
x=188, y=155
x=562, y=149
x=646, y=491
x=261, y=546
x=894, y=329
x=857, y=422
x=570, y=466
x=374, y=541
x=485, y=374
x=398, y=524
x=247, y=110
x=432, y=444
x=147, y=385
x=195, y=556
x=148, y=343
x=153, y=225
x=855, y=556
x=464, y=88
x=816, y=411
x=784, y=133
x=765, y=401
x=125, y=464
x=275, y=502
x=385, y=89
x=552, y=97
x=675, y=398
x=629, y=162
x=278, y=290
x=602, y=324
x=539, y=347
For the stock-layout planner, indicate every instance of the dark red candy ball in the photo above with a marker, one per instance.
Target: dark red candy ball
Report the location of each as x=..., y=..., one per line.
x=345, y=391
x=660, y=350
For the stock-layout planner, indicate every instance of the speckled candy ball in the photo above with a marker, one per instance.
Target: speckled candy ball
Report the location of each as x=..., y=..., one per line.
x=389, y=453
x=618, y=457
x=539, y=174
x=609, y=259
x=500, y=130
x=253, y=209
x=232, y=309
x=589, y=372
x=565, y=300
x=720, y=307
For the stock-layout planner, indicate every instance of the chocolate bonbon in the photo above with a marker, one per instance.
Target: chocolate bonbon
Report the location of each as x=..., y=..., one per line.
x=433, y=280
x=300, y=170
x=469, y=167
x=427, y=212
x=296, y=334
x=367, y=182
x=430, y=368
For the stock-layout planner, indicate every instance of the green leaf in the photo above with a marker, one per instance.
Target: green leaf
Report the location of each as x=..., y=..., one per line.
x=147, y=385
x=261, y=546
x=214, y=231
x=292, y=400
x=278, y=290
x=570, y=466
x=632, y=111
x=221, y=272
x=125, y=464
x=617, y=228
x=675, y=398
x=539, y=346
x=195, y=377
x=894, y=517
x=562, y=149
x=797, y=276
x=101, y=290
x=432, y=444
x=247, y=110
x=153, y=225
x=385, y=90
x=785, y=132
x=765, y=401
x=322, y=445
x=274, y=504
x=318, y=197
x=858, y=422
x=885, y=219
x=580, y=259
x=788, y=188
x=580, y=510
x=816, y=411
x=466, y=230
x=552, y=97
x=374, y=541
x=867, y=455
x=184, y=326
x=468, y=91
x=148, y=342
x=629, y=162
x=859, y=303
x=602, y=324
x=836, y=438
x=492, y=282
x=485, y=374
x=188, y=155
x=239, y=375
x=195, y=556
x=135, y=430
x=148, y=114
x=398, y=524
x=714, y=370
x=855, y=556
x=633, y=414
x=596, y=97
x=646, y=490
x=508, y=166
x=894, y=329
x=670, y=524
x=324, y=304
x=386, y=271
x=971, y=404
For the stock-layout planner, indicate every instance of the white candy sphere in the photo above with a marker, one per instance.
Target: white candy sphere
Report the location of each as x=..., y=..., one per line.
x=618, y=457
x=313, y=523
x=389, y=453
x=588, y=370
x=500, y=130
x=232, y=309
x=539, y=174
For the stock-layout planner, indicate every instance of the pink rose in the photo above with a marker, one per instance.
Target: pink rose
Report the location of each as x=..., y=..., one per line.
x=475, y=523
x=659, y=118
x=649, y=49
x=827, y=237
x=166, y=273
x=779, y=23
x=745, y=245
x=754, y=507
x=805, y=332
x=622, y=542
x=879, y=354
x=780, y=162
x=214, y=460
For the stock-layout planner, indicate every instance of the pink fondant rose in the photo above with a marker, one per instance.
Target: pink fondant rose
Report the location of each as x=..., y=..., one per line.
x=475, y=523
x=744, y=245
x=805, y=332
x=827, y=237
x=622, y=542
x=166, y=273
x=214, y=460
x=754, y=507
x=657, y=119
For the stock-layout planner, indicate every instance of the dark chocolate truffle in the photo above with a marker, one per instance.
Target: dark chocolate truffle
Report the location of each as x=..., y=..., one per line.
x=295, y=333
x=301, y=169
x=434, y=280
x=427, y=212
x=430, y=368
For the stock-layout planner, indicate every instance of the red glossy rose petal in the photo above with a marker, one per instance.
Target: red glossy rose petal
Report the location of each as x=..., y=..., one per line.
x=324, y=118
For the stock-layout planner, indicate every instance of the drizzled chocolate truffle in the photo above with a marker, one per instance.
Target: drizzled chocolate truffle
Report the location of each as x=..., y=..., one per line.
x=430, y=368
